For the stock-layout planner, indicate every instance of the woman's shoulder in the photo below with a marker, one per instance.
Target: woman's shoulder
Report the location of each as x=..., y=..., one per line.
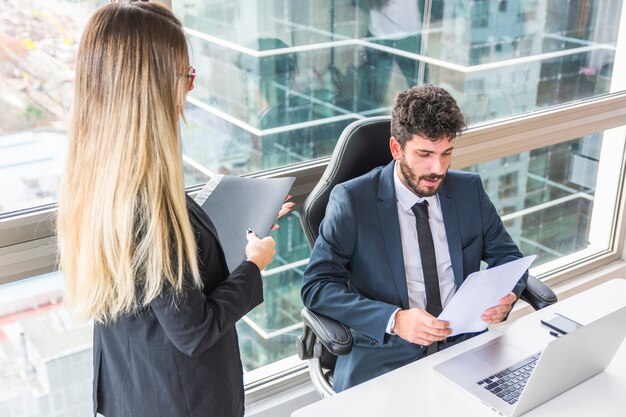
x=195, y=211
x=203, y=228
x=197, y=216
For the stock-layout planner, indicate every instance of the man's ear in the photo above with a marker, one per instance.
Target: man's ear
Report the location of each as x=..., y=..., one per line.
x=396, y=148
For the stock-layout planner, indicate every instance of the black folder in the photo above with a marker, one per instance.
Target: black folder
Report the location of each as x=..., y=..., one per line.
x=237, y=203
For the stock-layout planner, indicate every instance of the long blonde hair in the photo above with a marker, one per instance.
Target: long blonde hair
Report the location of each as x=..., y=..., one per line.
x=123, y=229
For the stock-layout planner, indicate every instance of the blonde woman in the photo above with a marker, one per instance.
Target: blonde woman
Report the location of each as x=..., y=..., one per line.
x=138, y=256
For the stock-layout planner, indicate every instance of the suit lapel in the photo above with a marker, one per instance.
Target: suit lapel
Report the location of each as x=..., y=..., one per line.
x=388, y=215
x=451, y=223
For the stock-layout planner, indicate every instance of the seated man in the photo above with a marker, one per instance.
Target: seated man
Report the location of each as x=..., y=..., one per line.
x=397, y=242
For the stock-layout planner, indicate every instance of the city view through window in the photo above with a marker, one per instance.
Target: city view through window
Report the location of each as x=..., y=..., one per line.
x=277, y=81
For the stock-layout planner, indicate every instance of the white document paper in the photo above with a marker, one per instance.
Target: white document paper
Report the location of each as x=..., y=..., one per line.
x=480, y=291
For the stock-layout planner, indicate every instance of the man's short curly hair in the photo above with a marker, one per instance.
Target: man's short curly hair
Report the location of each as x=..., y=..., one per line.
x=427, y=111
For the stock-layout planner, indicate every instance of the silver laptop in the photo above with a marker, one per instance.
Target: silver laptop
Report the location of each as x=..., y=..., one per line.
x=493, y=372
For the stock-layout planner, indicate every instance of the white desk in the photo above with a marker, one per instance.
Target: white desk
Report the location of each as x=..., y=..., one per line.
x=417, y=390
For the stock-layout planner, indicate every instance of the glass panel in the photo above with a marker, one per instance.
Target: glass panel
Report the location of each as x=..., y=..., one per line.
x=38, y=44
x=547, y=197
x=268, y=333
x=45, y=359
x=214, y=145
x=287, y=76
x=280, y=79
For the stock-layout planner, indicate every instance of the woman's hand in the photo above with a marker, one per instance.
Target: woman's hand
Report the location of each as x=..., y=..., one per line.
x=260, y=251
x=286, y=208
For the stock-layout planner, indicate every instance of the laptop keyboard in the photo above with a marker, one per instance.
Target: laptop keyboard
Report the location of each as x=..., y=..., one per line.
x=509, y=383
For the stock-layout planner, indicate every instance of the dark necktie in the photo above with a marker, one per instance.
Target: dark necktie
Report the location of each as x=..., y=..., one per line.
x=429, y=265
x=429, y=262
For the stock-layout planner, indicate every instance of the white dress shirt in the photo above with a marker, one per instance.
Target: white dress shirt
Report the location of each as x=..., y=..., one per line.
x=405, y=200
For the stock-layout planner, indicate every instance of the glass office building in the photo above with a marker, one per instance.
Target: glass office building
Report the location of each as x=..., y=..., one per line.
x=541, y=82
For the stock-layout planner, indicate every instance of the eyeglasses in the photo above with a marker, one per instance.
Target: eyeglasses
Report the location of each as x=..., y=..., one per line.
x=191, y=75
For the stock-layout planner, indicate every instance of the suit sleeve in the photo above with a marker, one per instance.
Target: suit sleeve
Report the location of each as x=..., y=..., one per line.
x=498, y=247
x=194, y=322
x=326, y=289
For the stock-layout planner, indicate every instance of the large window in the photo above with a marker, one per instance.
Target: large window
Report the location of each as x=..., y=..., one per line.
x=277, y=81
x=548, y=197
x=38, y=42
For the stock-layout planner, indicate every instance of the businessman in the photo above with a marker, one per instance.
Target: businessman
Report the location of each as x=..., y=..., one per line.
x=397, y=242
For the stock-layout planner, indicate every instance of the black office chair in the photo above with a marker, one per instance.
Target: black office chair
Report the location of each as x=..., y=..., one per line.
x=363, y=145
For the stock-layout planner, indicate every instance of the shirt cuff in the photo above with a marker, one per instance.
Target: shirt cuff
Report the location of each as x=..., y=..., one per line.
x=392, y=323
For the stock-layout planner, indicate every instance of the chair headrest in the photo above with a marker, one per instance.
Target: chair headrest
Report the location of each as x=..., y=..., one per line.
x=362, y=146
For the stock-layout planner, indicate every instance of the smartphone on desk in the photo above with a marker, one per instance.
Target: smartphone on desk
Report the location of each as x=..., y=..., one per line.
x=561, y=324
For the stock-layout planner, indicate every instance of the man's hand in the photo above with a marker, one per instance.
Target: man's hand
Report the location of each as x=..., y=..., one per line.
x=498, y=313
x=417, y=326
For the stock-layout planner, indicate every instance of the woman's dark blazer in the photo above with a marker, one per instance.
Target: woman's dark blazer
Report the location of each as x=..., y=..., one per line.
x=181, y=360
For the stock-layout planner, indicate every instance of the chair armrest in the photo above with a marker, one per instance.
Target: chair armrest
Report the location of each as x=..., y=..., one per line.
x=335, y=336
x=538, y=294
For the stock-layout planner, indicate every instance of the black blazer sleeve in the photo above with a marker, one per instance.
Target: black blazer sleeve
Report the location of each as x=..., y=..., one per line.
x=199, y=317
x=193, y=322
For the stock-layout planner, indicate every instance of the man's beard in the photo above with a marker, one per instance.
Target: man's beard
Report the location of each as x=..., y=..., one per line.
x=413, y=181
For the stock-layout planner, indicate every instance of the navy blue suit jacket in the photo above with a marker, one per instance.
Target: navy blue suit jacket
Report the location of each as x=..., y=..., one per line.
x=356, y=270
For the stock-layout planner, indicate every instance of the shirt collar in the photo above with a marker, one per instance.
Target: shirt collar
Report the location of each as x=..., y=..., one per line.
x=406, y=198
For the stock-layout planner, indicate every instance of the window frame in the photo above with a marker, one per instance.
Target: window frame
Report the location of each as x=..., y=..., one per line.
x=27, y=238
